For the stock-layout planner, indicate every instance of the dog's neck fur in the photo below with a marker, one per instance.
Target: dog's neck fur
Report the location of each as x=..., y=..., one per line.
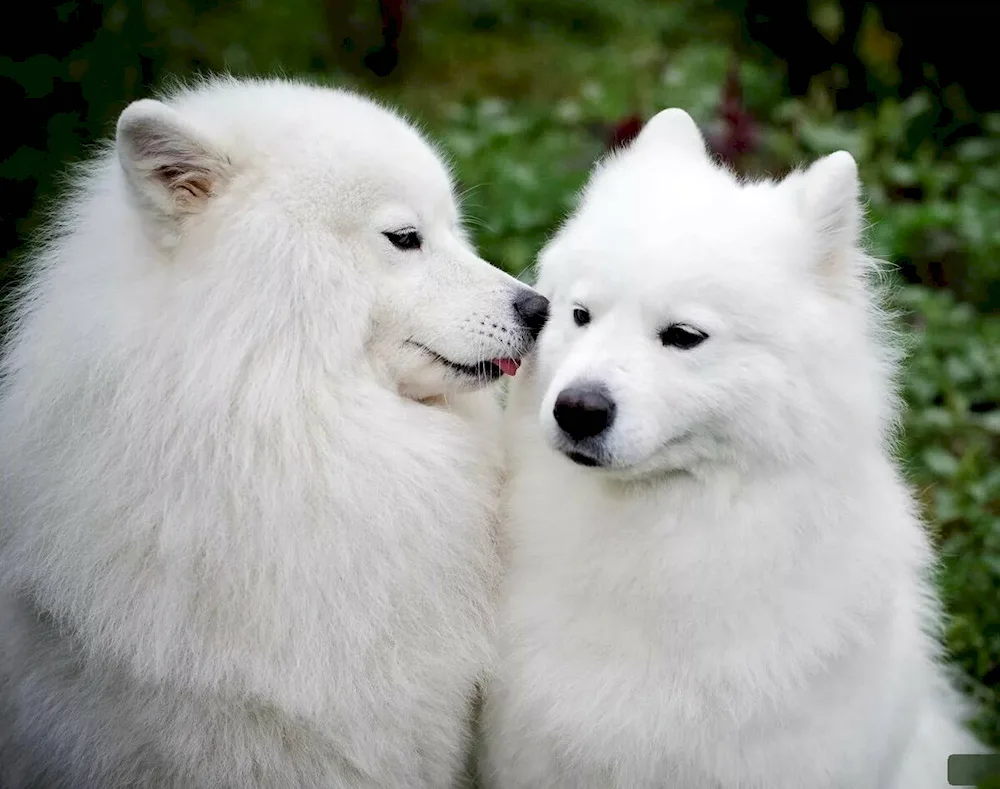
x=726, y=543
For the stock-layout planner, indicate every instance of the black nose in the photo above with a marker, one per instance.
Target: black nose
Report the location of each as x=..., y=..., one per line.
x=584, y=411
x=533, y=310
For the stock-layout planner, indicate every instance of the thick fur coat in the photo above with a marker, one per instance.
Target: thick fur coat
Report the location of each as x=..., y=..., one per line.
x=248, y=470
x=717, y=577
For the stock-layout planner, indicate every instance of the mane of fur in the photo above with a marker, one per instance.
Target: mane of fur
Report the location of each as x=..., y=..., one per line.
x=231, y=555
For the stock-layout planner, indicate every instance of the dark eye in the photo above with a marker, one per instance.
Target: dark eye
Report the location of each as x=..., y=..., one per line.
x=682, y=336
x=404, y=239
x=580, y=316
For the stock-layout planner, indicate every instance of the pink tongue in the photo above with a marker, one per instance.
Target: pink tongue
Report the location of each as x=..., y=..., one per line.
x=509, y=366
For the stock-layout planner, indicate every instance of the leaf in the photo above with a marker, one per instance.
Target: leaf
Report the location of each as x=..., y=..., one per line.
x=940, y=461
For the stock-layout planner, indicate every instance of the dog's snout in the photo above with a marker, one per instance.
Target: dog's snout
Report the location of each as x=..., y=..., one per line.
x=533, y=310
x=584, y=411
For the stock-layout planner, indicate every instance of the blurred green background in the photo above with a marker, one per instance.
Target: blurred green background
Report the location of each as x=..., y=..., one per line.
x=525, y=94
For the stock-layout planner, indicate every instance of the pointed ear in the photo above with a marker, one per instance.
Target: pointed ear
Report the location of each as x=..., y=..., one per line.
x=172, y=166
x=673, y=128
x=829, y=194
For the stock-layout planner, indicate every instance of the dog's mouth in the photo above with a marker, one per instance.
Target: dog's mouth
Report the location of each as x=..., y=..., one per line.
x=488, y=369
x=593, y=454
x=587, y=453
x=582, y=459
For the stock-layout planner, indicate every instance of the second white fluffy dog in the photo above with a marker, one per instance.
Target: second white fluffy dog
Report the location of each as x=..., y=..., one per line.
x=717, y=577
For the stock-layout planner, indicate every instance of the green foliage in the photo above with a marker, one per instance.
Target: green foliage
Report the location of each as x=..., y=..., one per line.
x=952, y=441
x=513, y=200
x=936, y=210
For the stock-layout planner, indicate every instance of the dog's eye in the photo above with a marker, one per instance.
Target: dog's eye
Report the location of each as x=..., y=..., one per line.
x=404, y=239
x=682, y=336
x=581, y=317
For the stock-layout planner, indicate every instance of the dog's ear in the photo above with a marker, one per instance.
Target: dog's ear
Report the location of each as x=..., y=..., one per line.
x=675, y=129
x=173, y=168
x=829, y=195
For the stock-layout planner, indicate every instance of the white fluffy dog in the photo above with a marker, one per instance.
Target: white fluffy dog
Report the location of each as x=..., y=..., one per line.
x=247, y=466
x=717, y=577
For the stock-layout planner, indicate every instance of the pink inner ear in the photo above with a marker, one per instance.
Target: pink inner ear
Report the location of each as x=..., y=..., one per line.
x=196, y=183
x=168, y=161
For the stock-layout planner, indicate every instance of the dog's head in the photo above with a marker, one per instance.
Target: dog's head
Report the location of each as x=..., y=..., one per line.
x=697, y=318
x=331, y=216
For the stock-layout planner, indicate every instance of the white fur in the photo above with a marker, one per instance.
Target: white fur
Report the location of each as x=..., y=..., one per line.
x=247, y=527
x=738, y=598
